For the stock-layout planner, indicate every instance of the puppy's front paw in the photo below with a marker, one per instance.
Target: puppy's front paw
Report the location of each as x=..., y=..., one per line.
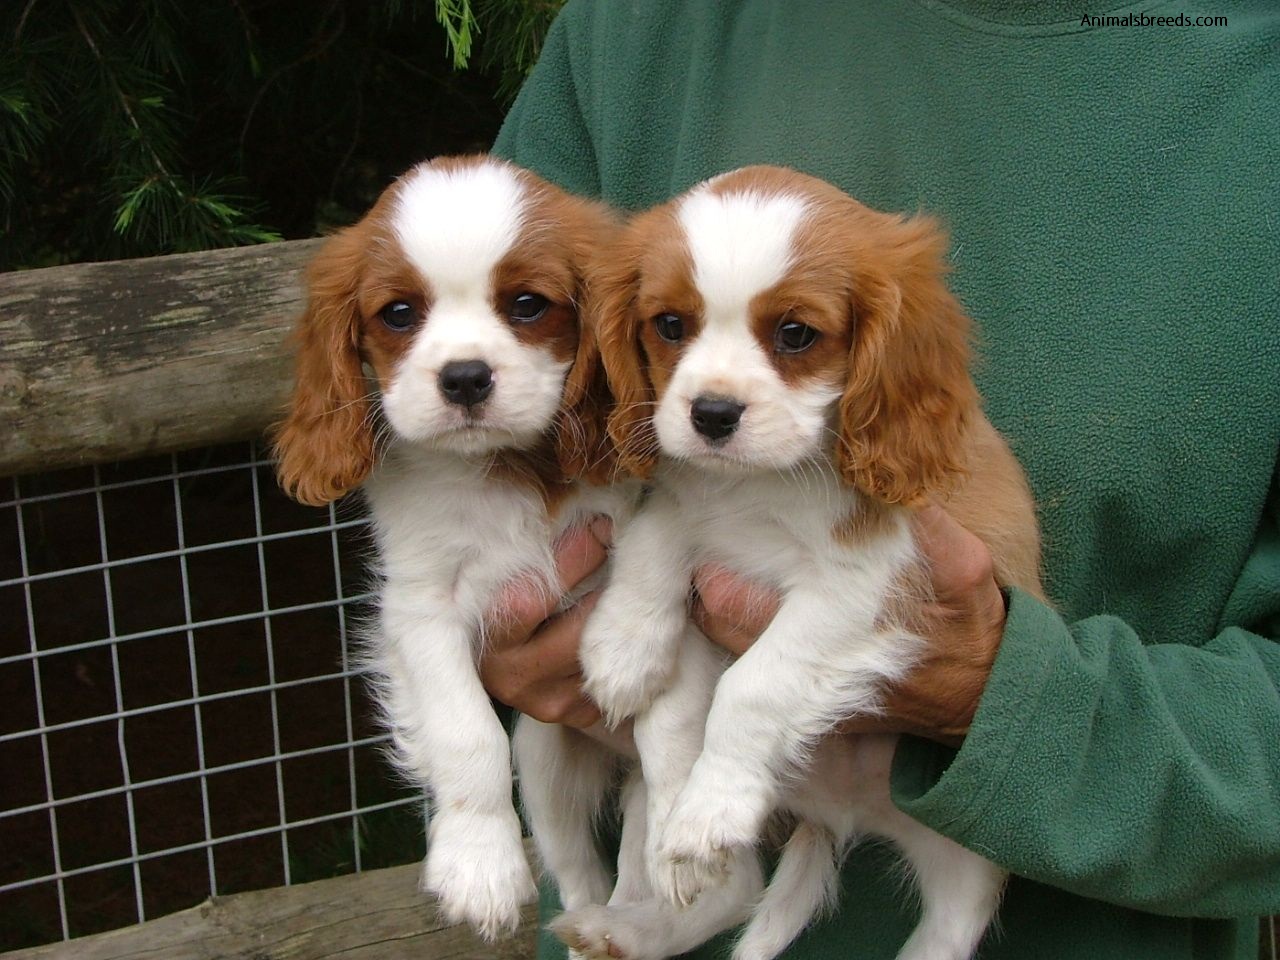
x=477, y=871
x=627, y=657
x=696, y=844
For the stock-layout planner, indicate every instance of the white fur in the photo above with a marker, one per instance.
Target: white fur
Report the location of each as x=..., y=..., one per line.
x=455, y=223
x=449, y=537
x=740, y=243
x=766, y=503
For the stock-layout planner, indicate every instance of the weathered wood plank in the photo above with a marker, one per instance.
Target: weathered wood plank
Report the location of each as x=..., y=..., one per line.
x=379, y=915
x=104, y=361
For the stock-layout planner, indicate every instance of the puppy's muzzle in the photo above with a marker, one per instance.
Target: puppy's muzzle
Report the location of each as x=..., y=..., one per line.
x=715, y=417
x=466, y=383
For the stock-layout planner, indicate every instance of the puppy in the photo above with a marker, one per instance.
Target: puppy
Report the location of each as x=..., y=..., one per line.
x=791, y=371
x=443, y=366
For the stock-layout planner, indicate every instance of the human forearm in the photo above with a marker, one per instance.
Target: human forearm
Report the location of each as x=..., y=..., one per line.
x=1147, y=776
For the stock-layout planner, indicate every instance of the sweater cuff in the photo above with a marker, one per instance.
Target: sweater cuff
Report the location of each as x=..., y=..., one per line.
x=947, y=789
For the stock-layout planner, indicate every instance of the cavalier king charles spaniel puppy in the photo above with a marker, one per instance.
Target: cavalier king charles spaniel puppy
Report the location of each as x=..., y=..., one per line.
x=791, y=373
x=443, y=366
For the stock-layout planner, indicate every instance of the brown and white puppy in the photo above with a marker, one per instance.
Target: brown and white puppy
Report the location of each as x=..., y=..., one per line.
x=791, y=371
x=442, y=365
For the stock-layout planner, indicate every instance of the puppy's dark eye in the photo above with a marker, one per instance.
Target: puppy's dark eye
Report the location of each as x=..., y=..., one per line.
x=399, y=316
x=670, y=327
x=528, y=307
x=793, y=337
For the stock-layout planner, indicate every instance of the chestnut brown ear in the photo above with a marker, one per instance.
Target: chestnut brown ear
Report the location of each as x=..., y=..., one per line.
x=325, y=445
x=581, y=444
x=909, y=397
x=614, y=286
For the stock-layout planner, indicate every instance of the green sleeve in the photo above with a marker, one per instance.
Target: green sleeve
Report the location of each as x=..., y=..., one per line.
x=546, y=130
x=1143, y=775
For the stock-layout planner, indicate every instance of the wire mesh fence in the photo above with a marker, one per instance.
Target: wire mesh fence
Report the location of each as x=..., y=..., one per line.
x=182, y=715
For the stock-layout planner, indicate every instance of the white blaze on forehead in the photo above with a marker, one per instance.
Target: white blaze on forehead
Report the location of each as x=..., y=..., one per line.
x=456, y=224
x=740, y=243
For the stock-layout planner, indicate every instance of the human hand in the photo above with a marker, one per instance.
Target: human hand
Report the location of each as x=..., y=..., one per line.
x=963, y=624
x=530, y=659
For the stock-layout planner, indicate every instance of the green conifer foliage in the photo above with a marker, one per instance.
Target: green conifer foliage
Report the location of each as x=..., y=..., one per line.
x=142, y=127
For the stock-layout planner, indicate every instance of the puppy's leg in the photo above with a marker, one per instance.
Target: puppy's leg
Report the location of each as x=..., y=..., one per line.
x=813, y=665
x=636, y=925
x=959, y=894
x=447, y=735
x=828, y=801
x=653, y=929
x=669, y=734
x=564, y=776
x=802, y=887
x=631, y=639
x=633, y=867
x=959, y=890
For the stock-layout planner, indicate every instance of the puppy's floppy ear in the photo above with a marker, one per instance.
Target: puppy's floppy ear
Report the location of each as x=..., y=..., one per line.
x=581, y=444
x=325, y=445
x=614, y=285
x=582, y=447
x=909, y=397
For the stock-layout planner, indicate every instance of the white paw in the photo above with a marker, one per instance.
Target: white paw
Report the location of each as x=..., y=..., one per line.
x=697, y=841
x=597, y=932
x=627, y=658
x=477, y=871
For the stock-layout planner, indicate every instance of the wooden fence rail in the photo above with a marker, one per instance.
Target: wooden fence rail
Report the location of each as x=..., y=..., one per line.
x=106, y=361
x=367, y=916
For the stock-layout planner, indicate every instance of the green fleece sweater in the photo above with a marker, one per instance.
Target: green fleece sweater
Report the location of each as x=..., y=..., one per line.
x=1112, y=194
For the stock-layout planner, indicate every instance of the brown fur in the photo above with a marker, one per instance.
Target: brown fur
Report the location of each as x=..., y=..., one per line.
x=326, y=444
x=908, y=399
x=868, y=521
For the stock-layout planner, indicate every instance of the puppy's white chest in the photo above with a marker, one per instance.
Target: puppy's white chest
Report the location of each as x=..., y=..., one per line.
x=771, y=528
x=455, y=534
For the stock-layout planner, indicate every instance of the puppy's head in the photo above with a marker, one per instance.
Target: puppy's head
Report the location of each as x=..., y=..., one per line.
x=459, y=292
x=765, y=319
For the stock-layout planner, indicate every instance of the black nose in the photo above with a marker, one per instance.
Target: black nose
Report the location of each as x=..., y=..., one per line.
x=466, y=382
x=715, y=419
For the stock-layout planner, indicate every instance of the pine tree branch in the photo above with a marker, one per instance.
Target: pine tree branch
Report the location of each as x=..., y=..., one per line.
x=318, y=49
x=119, y=91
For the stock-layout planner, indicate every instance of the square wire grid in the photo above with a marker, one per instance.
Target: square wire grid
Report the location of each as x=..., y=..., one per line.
x=182, y=715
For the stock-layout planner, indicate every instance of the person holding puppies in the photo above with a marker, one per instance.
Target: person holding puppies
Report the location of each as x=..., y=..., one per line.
x=1109, y=192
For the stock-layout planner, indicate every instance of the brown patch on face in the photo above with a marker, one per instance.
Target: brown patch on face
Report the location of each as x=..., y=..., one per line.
x=665, y=287
x=560, y=238
x=544, y=273
x=822, y=307
x=389, y=278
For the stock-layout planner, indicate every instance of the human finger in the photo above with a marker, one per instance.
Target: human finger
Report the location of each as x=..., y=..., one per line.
x=524, y=603
x=732, y=610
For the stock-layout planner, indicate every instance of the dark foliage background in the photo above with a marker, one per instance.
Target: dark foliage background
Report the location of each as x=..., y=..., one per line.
x=141, y=127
